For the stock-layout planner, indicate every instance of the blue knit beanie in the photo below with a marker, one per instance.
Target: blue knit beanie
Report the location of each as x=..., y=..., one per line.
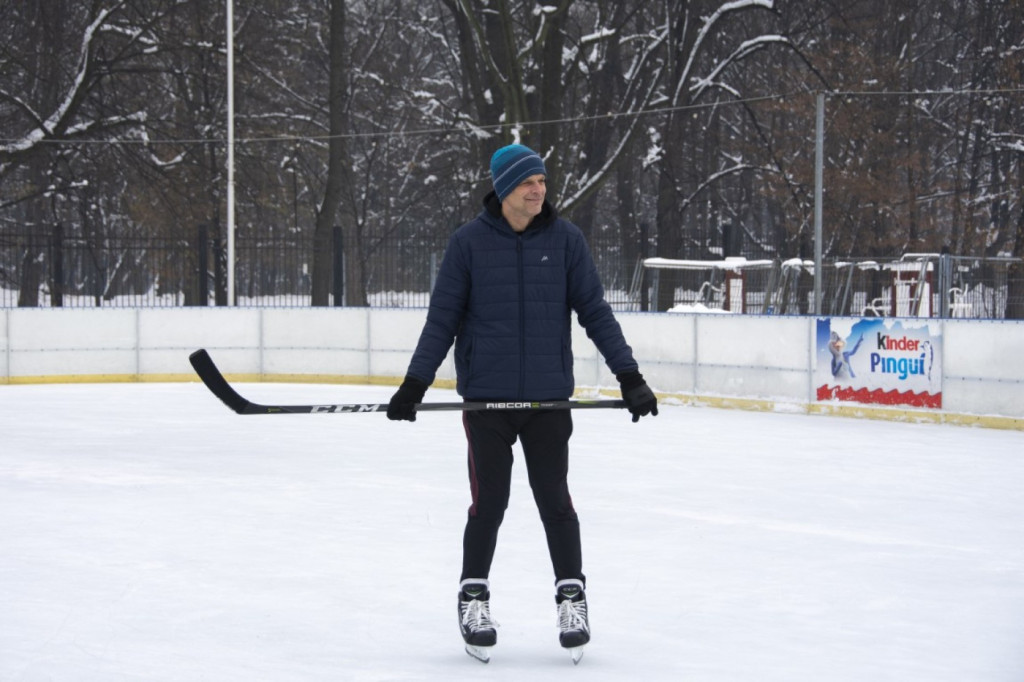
x=511, y=165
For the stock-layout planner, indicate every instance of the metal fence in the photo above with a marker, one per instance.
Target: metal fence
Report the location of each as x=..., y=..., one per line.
x=52, y=270
x=914, y=285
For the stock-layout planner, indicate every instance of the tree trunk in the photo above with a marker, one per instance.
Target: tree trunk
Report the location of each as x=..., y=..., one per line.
x=338, y=171
x=1015, y=272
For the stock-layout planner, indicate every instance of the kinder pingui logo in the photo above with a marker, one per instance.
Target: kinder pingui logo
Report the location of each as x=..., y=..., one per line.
x=903, y=356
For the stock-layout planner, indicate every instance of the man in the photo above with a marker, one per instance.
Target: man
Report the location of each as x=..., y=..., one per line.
x=504, y=293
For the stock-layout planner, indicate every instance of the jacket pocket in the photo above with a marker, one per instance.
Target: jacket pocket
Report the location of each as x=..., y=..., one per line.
x=464, y=351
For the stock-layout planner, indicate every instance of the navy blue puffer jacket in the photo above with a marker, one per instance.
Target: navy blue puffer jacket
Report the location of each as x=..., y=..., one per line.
x=505, y=299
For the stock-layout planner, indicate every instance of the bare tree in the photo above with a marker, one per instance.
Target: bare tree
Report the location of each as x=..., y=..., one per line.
x=375, y=119
x=338, y=163
x=530, y=72
x=704, y=43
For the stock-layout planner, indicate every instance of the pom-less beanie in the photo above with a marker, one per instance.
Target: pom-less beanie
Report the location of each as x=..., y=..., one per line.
x=511, y=165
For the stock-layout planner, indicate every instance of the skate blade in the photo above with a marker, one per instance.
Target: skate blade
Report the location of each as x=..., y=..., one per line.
x=577, y=653
x=480, y=653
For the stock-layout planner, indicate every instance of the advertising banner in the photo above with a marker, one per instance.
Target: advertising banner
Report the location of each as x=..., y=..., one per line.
x=879, y=361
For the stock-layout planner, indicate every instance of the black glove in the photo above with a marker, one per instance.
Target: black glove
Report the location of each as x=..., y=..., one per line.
x=638, y=396
x=403, y=402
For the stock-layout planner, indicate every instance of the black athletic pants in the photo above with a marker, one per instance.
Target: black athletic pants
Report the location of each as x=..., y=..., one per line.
x=545, y=440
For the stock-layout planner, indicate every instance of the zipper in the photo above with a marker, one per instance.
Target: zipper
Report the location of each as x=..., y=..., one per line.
x=522, y=317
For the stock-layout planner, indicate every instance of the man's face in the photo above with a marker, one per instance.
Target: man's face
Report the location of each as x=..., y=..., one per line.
x=525, y=201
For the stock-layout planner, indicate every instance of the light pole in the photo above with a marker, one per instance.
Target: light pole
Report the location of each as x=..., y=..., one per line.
x=231, y=151
x=819, y=165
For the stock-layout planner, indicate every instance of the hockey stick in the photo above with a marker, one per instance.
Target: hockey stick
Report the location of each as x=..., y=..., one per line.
x=219, y=386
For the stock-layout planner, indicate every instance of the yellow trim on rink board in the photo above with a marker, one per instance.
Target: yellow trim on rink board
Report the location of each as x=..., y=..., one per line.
x=848, y=410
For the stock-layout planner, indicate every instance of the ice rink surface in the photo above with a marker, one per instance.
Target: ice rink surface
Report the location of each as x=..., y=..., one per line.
x=148, y=533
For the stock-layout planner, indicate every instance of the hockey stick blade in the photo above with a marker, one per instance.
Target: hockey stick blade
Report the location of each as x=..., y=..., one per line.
x=204, y=366
x=202, y=363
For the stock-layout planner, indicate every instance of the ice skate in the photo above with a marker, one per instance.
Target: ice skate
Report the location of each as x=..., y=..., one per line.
x=475, y=623
x=573, y=625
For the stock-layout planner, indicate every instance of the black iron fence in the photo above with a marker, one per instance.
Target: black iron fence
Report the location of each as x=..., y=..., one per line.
x=54, y=270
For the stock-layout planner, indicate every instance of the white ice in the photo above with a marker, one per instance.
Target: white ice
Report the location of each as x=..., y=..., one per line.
x=148, y=533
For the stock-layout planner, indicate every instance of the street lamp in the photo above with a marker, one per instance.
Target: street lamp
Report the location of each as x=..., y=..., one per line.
x=231, y=151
